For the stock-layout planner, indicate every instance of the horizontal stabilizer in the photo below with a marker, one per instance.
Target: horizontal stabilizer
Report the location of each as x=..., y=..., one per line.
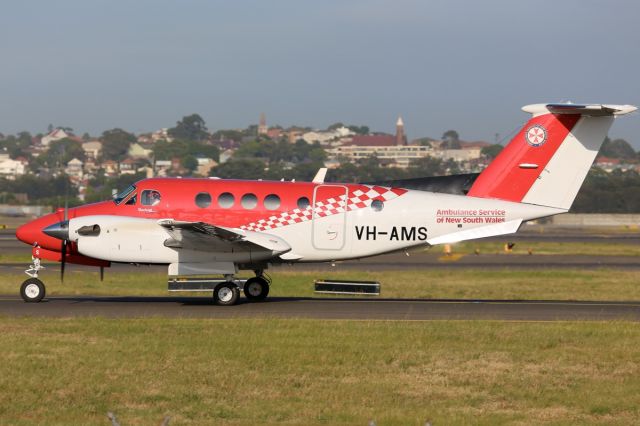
x=481, y=232
x=593, y=110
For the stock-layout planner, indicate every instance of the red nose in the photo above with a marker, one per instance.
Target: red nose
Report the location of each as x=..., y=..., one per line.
x=31, y=232
x=28, y=233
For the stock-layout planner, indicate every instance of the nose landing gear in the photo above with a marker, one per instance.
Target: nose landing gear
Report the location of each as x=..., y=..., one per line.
x=33, y=290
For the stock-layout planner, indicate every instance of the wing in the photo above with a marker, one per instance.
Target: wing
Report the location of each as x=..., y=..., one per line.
x=207, y=237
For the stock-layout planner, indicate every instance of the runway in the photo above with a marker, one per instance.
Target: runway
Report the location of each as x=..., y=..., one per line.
x=322, y=308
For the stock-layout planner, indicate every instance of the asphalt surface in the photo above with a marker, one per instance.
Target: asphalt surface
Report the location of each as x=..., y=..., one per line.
x=319, y=308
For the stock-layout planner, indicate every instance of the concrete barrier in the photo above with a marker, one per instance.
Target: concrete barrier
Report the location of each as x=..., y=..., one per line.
x=595, y=219
x=23, y=211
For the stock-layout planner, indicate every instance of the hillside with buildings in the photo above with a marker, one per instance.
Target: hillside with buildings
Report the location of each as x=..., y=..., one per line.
x=40, y=169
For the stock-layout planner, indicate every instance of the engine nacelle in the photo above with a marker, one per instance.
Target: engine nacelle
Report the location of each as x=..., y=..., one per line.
x=137, y=240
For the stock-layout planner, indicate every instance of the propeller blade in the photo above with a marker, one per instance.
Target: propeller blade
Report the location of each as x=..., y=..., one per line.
x=102, y=273
x=63, y=250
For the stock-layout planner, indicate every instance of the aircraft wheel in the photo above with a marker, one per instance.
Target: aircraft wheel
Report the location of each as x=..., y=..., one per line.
x=226, y=294
x=32, y=290
x=256, y=289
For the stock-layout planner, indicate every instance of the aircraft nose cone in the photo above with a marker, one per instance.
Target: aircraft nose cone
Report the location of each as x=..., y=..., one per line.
x=27, y=233
x=58, y=230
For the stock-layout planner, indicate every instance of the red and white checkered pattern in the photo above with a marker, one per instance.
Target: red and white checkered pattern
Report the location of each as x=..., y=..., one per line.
x=359, y=198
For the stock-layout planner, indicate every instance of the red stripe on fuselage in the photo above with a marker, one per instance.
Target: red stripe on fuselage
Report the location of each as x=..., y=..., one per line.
x=178, y=202
x=504, y=179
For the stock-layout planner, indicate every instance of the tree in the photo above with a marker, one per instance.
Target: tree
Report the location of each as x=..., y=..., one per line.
x=618, y=148
x=191, y=127
x=60, y=152
x=451, y=139
x=360, y=130
x=164, y=150
x=243, y=168
x=491, y=151
x=190, y=163
x=116, y=143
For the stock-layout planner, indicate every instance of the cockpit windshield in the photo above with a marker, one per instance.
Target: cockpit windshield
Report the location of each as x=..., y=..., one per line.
x=124, y=194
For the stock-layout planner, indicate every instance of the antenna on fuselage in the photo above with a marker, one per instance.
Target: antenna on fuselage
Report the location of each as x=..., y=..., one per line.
x=319, y=178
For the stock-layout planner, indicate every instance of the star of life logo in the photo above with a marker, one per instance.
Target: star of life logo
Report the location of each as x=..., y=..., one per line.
x=536, y=135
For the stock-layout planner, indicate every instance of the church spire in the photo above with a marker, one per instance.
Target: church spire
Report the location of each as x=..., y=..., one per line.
x=401, y=139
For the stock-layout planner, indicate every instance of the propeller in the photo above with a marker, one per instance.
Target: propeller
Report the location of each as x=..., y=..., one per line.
x=65, y=241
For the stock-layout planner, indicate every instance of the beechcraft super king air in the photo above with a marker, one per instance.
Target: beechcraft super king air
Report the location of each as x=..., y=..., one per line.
x=216, y=227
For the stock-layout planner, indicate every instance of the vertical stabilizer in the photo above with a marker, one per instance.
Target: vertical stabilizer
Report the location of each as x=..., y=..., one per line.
x=548, y=160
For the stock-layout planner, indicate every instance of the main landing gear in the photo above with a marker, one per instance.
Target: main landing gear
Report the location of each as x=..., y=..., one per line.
x=255, y=289
x=33, y=290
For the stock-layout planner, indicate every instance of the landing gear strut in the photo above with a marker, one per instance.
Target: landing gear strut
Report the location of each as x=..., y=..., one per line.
x=33, y=290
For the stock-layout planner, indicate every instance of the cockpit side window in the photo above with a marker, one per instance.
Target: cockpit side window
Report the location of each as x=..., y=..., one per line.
x=150, y=197
x=124, y=194
x=132, y=201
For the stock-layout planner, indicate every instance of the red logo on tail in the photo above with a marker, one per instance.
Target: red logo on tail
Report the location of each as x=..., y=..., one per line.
x=536, y=135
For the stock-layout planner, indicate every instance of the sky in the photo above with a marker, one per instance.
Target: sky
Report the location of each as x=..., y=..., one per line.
x=470, y=66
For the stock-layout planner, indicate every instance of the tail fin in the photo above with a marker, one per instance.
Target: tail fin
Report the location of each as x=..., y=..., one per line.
x=547, y=161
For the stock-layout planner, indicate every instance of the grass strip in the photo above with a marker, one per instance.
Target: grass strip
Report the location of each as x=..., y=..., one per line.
x=72, y=371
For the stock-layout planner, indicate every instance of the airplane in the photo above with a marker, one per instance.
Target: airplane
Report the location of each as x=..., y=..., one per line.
x=217, y=227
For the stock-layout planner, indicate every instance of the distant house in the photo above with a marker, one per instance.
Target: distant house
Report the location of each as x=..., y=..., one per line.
x=137, y=150
x=128, y=166
x=226, y=155
x=110, y=168
x=225, y=144
x=162, y=134
x=10, y=169
x=92, y=149
x=54, y=135
x=205, y=165
x=371, y=140
x=608, y=164
x=275, y=133
x=74, y=168
x=161, y=167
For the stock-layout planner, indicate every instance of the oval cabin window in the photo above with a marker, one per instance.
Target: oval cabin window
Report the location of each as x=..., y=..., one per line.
x=226, y=200
x=203, y=200
x=303, y=203
x=249, y=201
x=272, y=202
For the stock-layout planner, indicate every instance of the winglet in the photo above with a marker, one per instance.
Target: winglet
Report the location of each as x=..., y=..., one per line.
x=319, y=178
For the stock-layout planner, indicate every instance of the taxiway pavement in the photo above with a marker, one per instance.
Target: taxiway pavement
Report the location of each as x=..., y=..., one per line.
x=322, y=308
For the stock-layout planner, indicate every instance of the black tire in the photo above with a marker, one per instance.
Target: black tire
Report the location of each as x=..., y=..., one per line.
x=32, y=290
x=256, y=289
x=226, y=294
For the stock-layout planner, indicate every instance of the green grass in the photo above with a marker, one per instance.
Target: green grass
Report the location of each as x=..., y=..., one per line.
x=456, y=283
x=252, y=371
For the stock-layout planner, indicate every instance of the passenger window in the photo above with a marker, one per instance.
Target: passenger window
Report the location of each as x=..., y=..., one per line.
x=203, y=200
x=132, y=201
x=271, y=202
x=249, y=201
x=303, y=203
x=150, y=197
x=226, y=200
x=377, y=205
